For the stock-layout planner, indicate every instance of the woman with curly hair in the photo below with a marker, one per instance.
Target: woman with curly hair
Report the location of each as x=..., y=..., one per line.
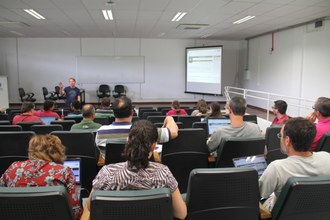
x=44, y=168
x=138, y=172
x=201, y=108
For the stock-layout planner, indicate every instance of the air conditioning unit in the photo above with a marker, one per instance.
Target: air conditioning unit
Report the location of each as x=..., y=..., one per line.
x=191, y=26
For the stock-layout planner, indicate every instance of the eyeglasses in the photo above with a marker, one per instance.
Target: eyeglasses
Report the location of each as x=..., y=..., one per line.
x=279, y=135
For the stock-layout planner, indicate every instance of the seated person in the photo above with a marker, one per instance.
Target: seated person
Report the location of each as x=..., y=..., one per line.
x=27, y=115
x=49, y=106
x=296, y=136
x=201, y=108
x=176, y=110
x=321, y=112
x=279, y=110
x=138, y=172
x=75, y=109
x=43, y=168
x=238, y=128
x=105, y=108
x=214, y=112
x=87, y=123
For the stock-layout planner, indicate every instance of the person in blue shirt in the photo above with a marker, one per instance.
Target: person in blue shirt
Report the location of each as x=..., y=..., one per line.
x=71, y=92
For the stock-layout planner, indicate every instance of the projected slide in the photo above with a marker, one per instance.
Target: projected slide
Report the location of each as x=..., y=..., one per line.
x=203, y=70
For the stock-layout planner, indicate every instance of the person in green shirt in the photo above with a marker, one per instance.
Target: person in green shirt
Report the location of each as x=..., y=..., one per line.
x=87, y=124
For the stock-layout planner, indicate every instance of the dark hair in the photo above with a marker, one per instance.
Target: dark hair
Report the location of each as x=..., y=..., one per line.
x=76, y=105
x=281, y=106
x=176, y=106
x=323, y=106
x=48, y=104
x=122, y=107
x=88, y=111
x=142, y=135
x=106, y=102
x=215, y=110
x=301, y=132
x=238, y=105
x=27, y=106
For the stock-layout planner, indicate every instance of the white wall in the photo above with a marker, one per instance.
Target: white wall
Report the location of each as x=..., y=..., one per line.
x=32, y=63
x=299, y=66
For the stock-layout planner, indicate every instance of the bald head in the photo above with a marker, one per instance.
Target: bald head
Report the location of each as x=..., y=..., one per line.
x=88, y=111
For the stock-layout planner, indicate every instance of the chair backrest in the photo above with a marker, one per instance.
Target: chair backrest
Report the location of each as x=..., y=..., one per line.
x=10, y=128
x=233, y=147
x=30, y=203
x=104, y=89
x=188, y=120
x=77, y=119
x=273, y=144
x=223, y=193
x=141, y=111
x=145, y=115
x=185, y=153
x=66, y=124
x=113, y=152
x=119, y=89
x=304, y=198
x=46, y=129
x=156, y=119
x=102, y=120
x=250, y=118
x=15, y=143
x=26, y=126
x=138, y=205
x=21, y=93
x=324, y=143
x=4, y=117
x=44, y=91
x=5, y=122
x=202, y=125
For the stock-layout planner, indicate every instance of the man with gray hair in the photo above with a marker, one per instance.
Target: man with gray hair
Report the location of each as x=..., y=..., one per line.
x=236, y=108
x=87, y=123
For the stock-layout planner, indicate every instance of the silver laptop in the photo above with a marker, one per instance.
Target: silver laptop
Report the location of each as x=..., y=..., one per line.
x=257, y=162
x=214, y=123
x=74, y=164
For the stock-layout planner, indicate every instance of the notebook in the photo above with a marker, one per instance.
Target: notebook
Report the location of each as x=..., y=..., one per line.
x=214, y=123
x=47, y=119
x=257, y=162
x=74, y=164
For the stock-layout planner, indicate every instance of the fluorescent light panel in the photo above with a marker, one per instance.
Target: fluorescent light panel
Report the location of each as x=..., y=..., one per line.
x=179, y=16
x=243, y=19
x=34, y=14
x=107, y=14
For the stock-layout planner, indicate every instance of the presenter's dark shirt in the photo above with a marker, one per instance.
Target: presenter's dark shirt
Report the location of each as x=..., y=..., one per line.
x=71, y=95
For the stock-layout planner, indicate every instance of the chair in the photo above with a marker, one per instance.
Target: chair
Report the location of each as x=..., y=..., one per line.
x=250, y=118
x=10, y=127
x=81, y=145
x=103, y=91
x=26, y=97
x=4, y=117
x=156, y=119
x=233, y=147
x=57, y=93
x=119, y=91
x=30, y=203
x=66, y=124
x=145, y=115
x=102, y=120
x=303, y=198
x=185, y=153
x=48, y=95
x=273, y=144
x=77, y=119
x=188, y=120
x=141, y=111
x=324, y=143
x=223, y=193
x=46, y=129
x=5, y=122
x=165, y=110
x=202, y=125
x=135, y=204
x=26, y=126
x=113, y=152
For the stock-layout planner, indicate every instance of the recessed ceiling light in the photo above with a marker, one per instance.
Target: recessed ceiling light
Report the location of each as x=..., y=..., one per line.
x=34, y=14
x=107, y=14
x=179, y=16
x=243, y=19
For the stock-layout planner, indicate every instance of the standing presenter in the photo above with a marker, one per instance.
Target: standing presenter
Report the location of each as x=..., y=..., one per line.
x=71, y=92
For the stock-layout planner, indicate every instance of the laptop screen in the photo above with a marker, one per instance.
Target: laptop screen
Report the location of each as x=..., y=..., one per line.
x=257, y=162
x=74, y=164
x=47, y=119
x=214, y=123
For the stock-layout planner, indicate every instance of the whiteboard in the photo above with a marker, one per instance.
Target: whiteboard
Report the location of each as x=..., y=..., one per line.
x=110, y=69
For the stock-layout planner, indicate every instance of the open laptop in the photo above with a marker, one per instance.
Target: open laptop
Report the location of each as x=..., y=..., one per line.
x=214, y=123
x=47, y=119
x=74, y=164
x=257, y=162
